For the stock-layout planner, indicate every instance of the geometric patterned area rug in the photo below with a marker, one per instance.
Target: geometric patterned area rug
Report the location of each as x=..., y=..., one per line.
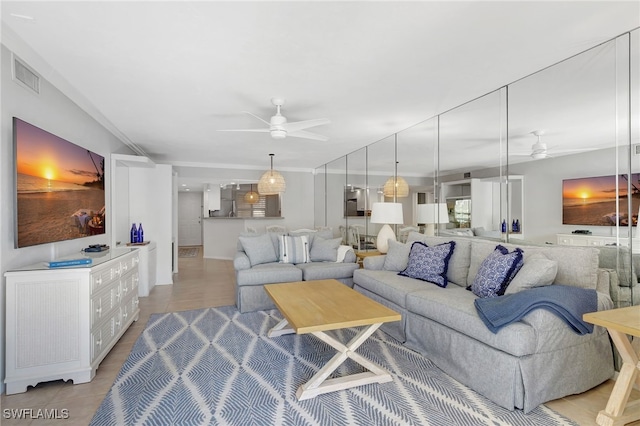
x=188, y=251
x=216, y=366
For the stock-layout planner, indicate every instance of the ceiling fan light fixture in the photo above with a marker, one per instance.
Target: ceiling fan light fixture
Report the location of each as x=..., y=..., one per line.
x=278, y=134
x=271, y=182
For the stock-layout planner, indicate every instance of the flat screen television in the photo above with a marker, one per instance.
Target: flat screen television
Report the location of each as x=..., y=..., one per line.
x=592, y=200
x=59, y=188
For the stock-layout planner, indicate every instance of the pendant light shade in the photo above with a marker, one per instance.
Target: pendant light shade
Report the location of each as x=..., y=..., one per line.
x=271, y=182
x=397, y=185
x=251, y=197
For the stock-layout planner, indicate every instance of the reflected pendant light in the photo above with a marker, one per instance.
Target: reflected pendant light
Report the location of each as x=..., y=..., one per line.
x=251, y=197
x=396, y=185
x=271, y=182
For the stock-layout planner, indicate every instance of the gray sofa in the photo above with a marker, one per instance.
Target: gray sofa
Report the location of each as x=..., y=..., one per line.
x=524, y=364
x=258, y=262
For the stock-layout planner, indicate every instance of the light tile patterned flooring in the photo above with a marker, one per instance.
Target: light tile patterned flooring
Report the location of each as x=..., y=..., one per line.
x=200, y=283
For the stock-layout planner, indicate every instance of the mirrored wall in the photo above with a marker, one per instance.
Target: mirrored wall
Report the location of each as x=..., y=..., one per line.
x=555, y=152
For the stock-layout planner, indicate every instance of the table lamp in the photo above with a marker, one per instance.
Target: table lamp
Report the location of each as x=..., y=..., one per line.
x=386, y=213
x=430, y=214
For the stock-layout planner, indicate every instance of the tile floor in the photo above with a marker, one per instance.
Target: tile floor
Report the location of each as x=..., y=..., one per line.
x=200, y=283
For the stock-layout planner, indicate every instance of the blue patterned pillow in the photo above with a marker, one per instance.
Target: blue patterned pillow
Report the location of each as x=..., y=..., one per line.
x=496, y=272
x=429, y=263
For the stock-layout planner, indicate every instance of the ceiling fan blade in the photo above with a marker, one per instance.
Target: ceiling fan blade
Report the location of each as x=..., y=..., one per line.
x=253, y=115
x=244, y=130
x=307, y=135
x=301, y=125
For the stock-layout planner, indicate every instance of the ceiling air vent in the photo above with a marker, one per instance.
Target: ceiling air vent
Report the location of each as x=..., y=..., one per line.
x=25, y=76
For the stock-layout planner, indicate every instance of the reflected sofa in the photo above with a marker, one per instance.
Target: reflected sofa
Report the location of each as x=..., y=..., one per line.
x=259, y=261
x=526, y=363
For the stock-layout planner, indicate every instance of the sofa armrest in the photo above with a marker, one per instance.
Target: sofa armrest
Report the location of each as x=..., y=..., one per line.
x=350, y=256
x=374, y=262
x=241, y=261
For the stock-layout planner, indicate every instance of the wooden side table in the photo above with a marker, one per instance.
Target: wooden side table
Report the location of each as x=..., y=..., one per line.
x=362, y=254
x=621, y=323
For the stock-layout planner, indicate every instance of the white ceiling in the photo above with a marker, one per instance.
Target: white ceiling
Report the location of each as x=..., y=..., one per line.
x=165, y=76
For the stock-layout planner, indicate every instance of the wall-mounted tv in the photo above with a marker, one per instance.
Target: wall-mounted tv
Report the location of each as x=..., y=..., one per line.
x=59, y=188
x=592, y=200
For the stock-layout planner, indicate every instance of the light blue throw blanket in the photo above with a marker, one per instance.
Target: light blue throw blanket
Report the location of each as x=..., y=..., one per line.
x=569, y=303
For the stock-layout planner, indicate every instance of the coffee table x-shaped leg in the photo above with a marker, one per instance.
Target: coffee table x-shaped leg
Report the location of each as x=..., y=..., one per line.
x=319, y=383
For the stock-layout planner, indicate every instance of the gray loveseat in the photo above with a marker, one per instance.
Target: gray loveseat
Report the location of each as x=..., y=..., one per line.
x=526, y=363
x=258, y=261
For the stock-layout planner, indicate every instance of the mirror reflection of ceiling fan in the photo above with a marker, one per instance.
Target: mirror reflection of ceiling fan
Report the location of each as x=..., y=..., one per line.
x=279, y=128
x=539, y=150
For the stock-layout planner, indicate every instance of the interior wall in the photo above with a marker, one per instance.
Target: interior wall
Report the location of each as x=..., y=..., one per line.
x=54, y=112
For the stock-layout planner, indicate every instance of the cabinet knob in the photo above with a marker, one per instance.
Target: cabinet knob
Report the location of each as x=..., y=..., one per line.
x=99, y=310
x=99, y=342
x=99, y=280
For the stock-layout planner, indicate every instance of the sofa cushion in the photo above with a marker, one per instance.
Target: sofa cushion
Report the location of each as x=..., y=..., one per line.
x=259, y=249
x=496, y=272
x=536, y=271
x=268, y=273
x=429, y=263
x=397, y=256
x=326, y=270
x=387, y=284
x=460, y=259
x=453, y=307
x=294, y=249
x=324, y=250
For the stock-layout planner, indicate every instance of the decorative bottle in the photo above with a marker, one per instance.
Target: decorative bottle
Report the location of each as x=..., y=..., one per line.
x=517, y=225
x=134, y=233
x=140, y=233
x=513, y=226
x=504, y=226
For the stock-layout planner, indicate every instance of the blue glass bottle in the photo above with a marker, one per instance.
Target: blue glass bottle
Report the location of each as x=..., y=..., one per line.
x=133, y=234
x=140, y=233
x=517, y=225
x=504, y=226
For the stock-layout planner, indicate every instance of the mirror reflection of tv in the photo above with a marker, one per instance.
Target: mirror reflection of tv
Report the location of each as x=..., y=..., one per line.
x=592, y=200
x=59, y=188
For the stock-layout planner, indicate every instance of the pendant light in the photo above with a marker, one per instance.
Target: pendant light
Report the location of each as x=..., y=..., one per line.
x=396, y=185
x=251, y=197
x=271, y=182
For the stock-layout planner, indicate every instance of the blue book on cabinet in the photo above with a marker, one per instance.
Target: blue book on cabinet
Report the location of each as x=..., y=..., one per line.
x=69, y=262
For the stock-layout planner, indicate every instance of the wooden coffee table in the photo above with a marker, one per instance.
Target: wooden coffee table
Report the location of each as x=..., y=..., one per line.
x=621, y=323
x=318, y=306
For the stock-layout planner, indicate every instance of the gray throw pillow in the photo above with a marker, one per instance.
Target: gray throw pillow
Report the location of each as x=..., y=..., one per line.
x=259, y=249
x=325, y=250
x=537, y=271
x=397, y=256
x=294, y=249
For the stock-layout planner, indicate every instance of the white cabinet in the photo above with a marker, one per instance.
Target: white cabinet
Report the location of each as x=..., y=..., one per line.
x=61, y=323
x=595, y=241
x=147, y=268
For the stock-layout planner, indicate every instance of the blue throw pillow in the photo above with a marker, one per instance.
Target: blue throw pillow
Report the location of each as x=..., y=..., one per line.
x=429, y=263
x=496, y=272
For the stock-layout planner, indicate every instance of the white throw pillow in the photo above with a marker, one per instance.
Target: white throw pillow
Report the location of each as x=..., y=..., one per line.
x=537, y=271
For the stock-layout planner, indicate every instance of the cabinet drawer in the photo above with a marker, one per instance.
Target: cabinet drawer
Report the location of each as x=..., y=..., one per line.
x=129, y=263
x=102, y=304
x=104, y=277
x=102, y=336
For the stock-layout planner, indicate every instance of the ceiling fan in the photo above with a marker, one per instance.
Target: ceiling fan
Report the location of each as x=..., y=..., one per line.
x=279, y=128
x=540, y=151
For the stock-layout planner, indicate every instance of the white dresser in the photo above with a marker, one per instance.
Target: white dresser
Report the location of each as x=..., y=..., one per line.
x=595, y=241
x=61, y=323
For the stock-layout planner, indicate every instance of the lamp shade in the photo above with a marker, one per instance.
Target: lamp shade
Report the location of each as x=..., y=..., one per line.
x=271, y=182
x=387, y=213
x=396, y=185
x=433, y=213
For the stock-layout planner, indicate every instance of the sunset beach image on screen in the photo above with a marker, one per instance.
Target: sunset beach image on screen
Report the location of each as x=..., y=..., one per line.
x=59, y=188
x=592, y=200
